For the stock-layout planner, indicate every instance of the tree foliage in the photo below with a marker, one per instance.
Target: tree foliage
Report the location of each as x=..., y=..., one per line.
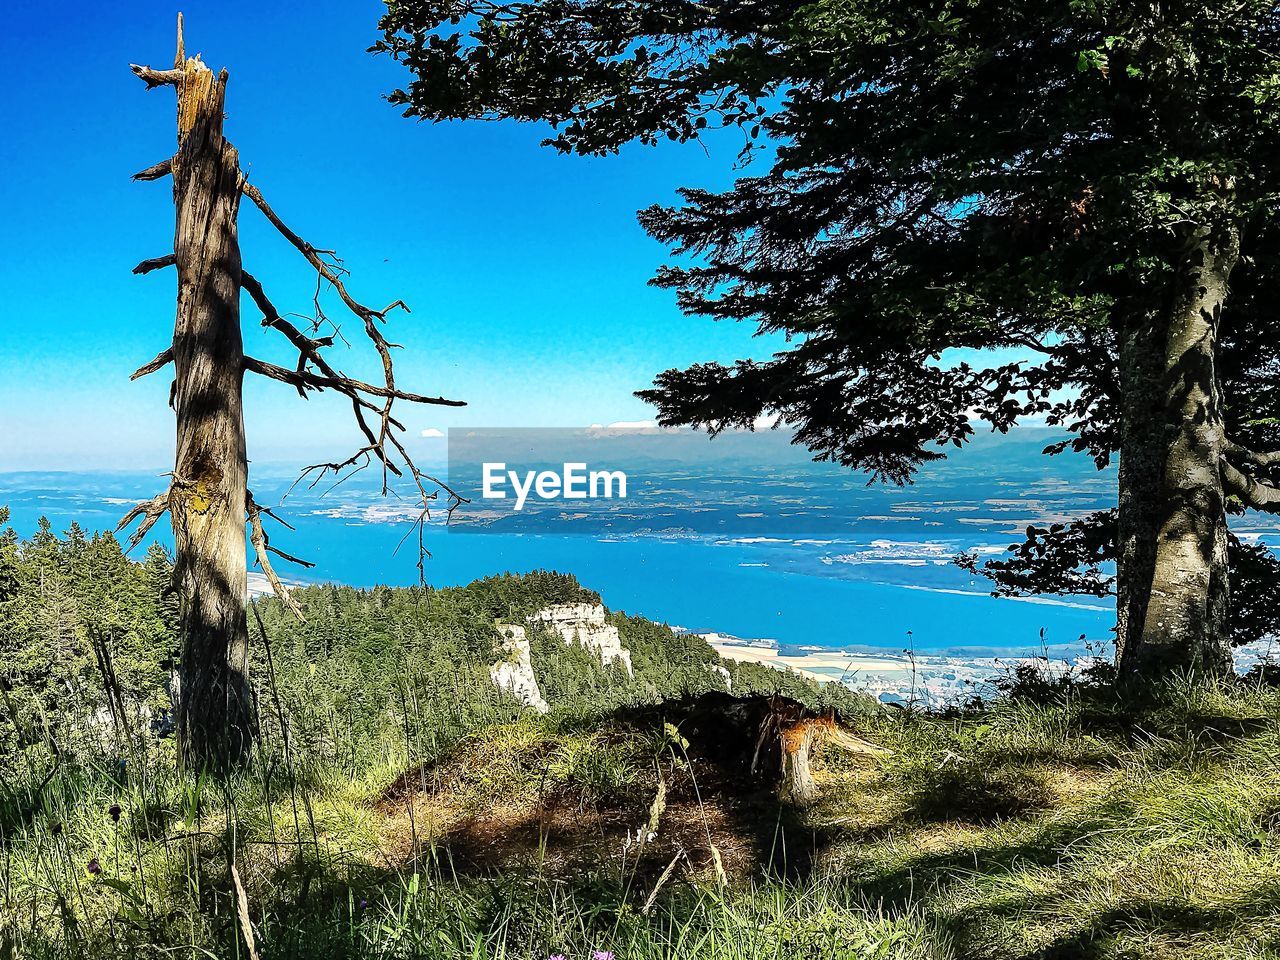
x=969, y=213
x=69, y=605
x=366, y=675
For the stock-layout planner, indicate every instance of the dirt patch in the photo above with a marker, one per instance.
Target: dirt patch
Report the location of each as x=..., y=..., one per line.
x=564, y=830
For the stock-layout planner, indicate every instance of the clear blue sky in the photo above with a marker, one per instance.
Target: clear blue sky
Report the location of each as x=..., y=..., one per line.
x=525, y=269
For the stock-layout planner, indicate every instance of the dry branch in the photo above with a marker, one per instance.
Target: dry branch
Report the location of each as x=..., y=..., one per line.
x=370, y=317
x=162, y=359
x=262, y=549
x=156, y=263
x=156, y=171
x=383, y=443
x=157, y=78
x=309, y=352
x=342, y=384
x=150, y=511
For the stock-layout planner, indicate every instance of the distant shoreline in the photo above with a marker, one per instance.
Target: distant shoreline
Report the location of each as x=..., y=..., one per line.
x=821, y=665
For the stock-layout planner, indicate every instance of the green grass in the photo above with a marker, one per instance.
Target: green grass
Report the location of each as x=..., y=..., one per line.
x=1073, y=824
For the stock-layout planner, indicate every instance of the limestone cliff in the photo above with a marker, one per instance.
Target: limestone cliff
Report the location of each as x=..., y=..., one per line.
x=514, y=673
x=585, y=625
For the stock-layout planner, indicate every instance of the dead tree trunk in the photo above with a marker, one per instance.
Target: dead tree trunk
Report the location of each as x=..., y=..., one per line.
x=208, y=496
x=208, y=499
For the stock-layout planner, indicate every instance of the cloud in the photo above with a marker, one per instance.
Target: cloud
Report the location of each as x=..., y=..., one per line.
x=431, y=433
x=629, y=428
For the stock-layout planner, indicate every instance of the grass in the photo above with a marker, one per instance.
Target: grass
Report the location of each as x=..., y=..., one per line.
x=1076, y=823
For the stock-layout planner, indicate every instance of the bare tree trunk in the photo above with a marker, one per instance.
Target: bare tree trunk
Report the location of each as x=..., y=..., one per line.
x=1185, y=619
x=797, y=784
x=208, y=499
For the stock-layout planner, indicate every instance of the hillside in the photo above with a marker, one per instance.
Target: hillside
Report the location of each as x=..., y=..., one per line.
x=402, y=805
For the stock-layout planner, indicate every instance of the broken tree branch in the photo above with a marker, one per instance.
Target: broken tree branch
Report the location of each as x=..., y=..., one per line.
x=156, y=263
x=156, y=78
x=383, y=443
x=367, y=315
x=150, y=511
x=156, y=171
x=309, y=352
x=262, y=549
x=342, y=384
x=162, y=359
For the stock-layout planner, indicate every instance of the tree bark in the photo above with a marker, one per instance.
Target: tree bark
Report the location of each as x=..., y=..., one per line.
x=1143, y=447
x=208, y=498
x=1184, y=625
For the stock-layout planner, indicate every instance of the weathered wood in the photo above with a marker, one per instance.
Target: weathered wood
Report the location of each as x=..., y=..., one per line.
x=207, y=499
x=159, y=362
x=155, y=263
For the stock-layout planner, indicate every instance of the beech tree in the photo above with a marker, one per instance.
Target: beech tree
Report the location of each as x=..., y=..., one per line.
x=208, y=500
x=1089, y=183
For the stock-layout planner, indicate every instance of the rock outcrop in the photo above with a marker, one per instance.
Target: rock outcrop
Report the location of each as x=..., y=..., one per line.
x=585, y=625
x=514, y=673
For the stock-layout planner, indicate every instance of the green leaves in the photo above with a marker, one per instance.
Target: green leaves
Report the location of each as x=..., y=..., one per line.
x=1093, y=60
x=976, y=176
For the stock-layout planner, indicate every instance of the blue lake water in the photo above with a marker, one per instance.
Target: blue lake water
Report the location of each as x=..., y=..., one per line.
x=759, y=543
x=876, y=573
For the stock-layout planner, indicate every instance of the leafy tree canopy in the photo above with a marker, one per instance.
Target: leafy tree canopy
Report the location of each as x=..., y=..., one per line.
x=963, y=213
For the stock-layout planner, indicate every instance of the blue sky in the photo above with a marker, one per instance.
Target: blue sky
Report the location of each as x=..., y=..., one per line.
x=525, y=269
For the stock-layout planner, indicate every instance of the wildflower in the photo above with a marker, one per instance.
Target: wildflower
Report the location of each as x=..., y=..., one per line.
x=363, y=905
x=601, y=955
x=94, y=867
x=114, y=812
x=556, y=956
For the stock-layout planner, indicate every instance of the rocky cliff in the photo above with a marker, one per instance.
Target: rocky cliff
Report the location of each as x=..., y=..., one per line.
x=585, y=625
x=580, y=623
x=514, y=672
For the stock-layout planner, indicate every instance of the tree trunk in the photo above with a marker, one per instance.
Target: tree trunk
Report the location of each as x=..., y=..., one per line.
x=208, y=498
x=1184, y=625
x=1143, y=447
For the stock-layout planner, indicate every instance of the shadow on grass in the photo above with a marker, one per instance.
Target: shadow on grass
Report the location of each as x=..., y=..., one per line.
x=1141, y=921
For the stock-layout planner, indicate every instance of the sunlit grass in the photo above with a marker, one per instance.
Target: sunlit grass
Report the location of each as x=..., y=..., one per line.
x=1081, y=825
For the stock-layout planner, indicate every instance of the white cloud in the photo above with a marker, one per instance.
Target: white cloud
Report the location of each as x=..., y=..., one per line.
x=431, y=433
x=629, y=428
